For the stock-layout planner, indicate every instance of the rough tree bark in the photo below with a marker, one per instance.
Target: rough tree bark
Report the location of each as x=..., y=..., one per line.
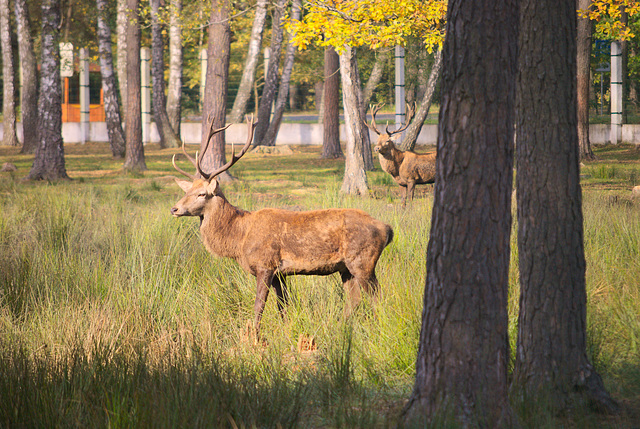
x=215, y=94
x=134, y=157
x=584, y=81
x=461, y=369
x=551, y=356
x=283, y=88
x=121, y=48
x=49, y=163
x=174, y=89
x=331, y=121
x=109, y=84
x=251, y=63
x=271, y=81
x=28, y=70
x=168, y=137
x=412, y=132
x=365, y=98
x=9, y=136
x=355, y=178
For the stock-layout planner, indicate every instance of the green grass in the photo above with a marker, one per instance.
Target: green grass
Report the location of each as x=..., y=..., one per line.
x=112, y=313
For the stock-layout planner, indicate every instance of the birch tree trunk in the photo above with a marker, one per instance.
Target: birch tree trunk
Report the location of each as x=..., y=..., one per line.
x=331, y=123
x=215, y=94
x=121, y=48
x=412, y=132
x=134, y=157
x=251, y=64
x=29, y=79
x=367, y=154
x=174, y=91
x=584, y=81
x=283, y=89
x=9, y=137
x=551, y=353
x=271, y=81
x=48, y=163
x=109, y=84
x=355, y=178
x=168, y=137
x=461, y=368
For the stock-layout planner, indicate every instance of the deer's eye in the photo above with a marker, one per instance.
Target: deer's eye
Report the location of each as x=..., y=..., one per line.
x=202, y=194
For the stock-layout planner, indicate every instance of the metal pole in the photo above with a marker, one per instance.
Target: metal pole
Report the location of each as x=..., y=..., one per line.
x=399, y=87
x=145, y=96
x=84, y=95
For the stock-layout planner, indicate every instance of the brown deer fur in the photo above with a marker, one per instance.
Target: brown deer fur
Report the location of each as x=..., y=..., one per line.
x=273, y=243
x=408, y=168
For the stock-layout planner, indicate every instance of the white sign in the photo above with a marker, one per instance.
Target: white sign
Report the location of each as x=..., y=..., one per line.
x=66, y=59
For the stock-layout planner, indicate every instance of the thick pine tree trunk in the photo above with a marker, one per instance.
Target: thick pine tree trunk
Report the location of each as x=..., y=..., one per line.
x=283, y=89
x=9, y=137
x=134, y=157
x=48, y=163
x=121, y=48
x=412, y=132
x=461, y=369
x=551, y=355
x=215, y=94
x=367, y=154
x=251, y=64
x=28, y=70
x=584, y=81
x=355, y=178
x=174, y=89
x=331, y=122
x=271, y=81
x=168, y=137
x=109, y=84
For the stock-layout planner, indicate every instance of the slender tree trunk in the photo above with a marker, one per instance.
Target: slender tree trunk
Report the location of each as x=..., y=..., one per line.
x=174, y=92
x=168, y=137
x=9, y=137
x=271, y=81
x=355, y=178
x=109, y=84
x=461, y=369
x=551, y=355
x=374, y=78
x=283, y=89
x=29, y=79
x=215, y=95
x=134, y=157
x=121, y=47
x=412, y=132
x=251, y=64
x=584, y=81
x=49, y=163
x=365, y=98
x=331, y=123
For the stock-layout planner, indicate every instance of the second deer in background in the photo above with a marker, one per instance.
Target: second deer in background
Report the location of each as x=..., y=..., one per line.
x=407, y=168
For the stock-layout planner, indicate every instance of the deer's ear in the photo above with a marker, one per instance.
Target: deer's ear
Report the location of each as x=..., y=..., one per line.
x=212, y=187
x=184, y=185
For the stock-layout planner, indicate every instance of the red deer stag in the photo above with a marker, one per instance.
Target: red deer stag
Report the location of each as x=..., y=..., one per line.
x=408, y=168
x=274, y=243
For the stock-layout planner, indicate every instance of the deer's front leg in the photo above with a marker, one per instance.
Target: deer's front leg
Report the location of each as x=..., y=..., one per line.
x=410, y=189
x=263, y=281
x=279, y=283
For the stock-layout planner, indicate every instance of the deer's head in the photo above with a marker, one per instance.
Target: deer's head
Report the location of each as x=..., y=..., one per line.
x=385, y=144
x=201, y=190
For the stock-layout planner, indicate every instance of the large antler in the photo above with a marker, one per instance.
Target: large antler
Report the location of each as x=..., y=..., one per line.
x=234, y=158
x=411, y=110
x=212, y=132
x=194, y=161
x=374, y=108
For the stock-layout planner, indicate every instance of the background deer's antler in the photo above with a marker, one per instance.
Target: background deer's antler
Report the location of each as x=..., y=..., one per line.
x=411, y=111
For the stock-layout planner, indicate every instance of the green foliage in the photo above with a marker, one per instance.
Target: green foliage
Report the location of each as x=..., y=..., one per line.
x=112, y=313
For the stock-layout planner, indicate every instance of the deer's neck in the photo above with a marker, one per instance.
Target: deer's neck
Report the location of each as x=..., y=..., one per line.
x=222, y=228
x=391, y=161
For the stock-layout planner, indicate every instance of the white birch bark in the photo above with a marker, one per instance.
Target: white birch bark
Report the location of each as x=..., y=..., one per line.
x=9, y=137
x=121, y=47
x=174, y=89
